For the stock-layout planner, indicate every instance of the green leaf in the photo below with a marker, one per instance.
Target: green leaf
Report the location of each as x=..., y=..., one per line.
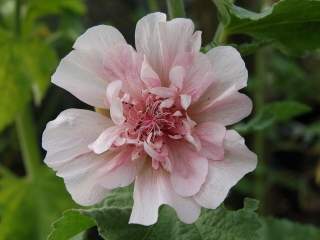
x=28, y=207
x=70, y=224
x=272, y=113
x=25, y=71
x=286, y=23
x=14, y=87
x=112, y=219
x=281, y=229
x=40, y=60
x=37, y=9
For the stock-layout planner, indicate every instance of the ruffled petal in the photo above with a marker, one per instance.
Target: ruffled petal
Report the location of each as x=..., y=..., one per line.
x=229, y=73
x=148, y=75
x=189, y=168
x=152, y=189
x=98, y=39
x=81, y=74
x=68, y=135
x=211, y=136
x=81, y=178
x=105, y=140
x=147, y=39
x=164, y=42
x=223, y=175
x=198, y=77
x=115, y=103
x=226, y=110
x=120, y=170
x=123, y=63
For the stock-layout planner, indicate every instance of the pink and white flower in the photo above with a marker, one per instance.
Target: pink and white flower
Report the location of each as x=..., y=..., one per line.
x=169, y=106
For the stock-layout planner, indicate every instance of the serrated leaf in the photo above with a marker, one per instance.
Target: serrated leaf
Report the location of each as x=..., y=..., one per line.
x=29, y=207
x=113, y=216
x=282, y=229
x=285, y=23
x=272, y=113
x=70, y=224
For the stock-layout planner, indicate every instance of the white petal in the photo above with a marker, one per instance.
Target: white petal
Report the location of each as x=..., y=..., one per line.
x=69, y=134
x=120, y=171
x=189, y=168
x=176, y=76
x=81, y=74
x=228, y=109
x=123, y=63
x=81, y=178
x=148, y=75
x=105, y=139
x=198, y=78
x=224, y=174
x=185, y=101
x=163, y=92
x=147, y=36
x=229, y=71
x=211, y=136
x=99, y=39
x=152, y=189
x=116, y=108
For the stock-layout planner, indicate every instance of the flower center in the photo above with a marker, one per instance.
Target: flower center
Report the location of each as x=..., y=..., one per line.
x=154, y=118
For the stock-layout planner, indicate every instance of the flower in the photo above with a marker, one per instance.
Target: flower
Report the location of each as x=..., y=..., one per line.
x=169, y=107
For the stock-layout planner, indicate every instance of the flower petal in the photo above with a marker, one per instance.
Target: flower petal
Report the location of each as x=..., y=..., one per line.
x=211, y=136
x=81, y=178
x=116, y=108
x=163, y=42
x=152, y=189
x=198, y=77
x=227, y=110
x=68, y=135
x=105, y=139
x=81, y=74
x=189, y=168
x=229, y=72
x=176, y=76
x=147, y=39
x=223, y=175
x=120, y=170
x=148, y=76
x=99, y=39
x=123, y=63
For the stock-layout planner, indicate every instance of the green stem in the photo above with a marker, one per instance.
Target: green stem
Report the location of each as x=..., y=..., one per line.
x=261, y=183
x=25, y=125
x=176, y=8
x=28, y=142
x=258, y=96
x=220, y=35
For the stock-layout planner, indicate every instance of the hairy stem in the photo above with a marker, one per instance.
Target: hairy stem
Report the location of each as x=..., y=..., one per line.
x=176, y=8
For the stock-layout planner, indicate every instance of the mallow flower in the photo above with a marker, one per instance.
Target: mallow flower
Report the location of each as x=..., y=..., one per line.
x=168, y=107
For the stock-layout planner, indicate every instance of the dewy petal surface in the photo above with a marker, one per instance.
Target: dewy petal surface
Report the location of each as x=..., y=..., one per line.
x=169, y=107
